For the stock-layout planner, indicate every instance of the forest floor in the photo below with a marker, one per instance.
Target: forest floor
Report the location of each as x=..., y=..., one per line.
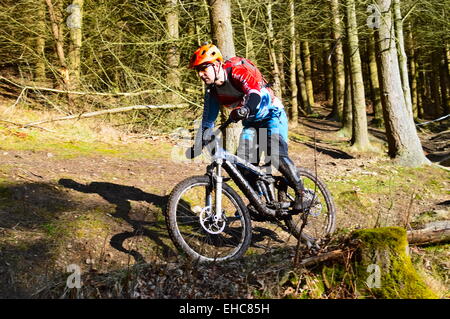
x=87, y=194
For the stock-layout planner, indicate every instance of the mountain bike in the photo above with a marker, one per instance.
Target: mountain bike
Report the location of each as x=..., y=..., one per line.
x=208, y=220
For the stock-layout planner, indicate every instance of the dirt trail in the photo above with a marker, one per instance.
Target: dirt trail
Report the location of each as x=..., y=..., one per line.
x=104, y=212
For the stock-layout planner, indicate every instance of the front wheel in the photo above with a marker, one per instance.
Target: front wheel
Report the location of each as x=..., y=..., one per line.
x=320, y=211
x=194, y=230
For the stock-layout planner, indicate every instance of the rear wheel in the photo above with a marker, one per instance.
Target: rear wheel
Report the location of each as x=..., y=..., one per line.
x=190, y=221
x=320, y=212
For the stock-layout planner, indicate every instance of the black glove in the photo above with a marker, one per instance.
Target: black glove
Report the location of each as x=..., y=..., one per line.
x=239, y=113
x=199, y=144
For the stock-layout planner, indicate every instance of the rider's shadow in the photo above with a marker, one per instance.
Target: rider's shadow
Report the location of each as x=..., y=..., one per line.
x=121, y=196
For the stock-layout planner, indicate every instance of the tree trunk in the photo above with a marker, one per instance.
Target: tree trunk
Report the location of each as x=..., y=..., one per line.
x=75, y=23
x=403, y=60
x=40, y=42
x=293, y=114
x=272, y=52
x=307, y=68
x=280, y=57
x=222, y=30
x=328, y=72
x=403, y=141
x=347, y=115
x=421, y=85
x=447, y=58
x=173, y=55
x=338, y=61
x=301, y=81
x=413, y=70
x=360, y=134
x=375, y=84
x=434, y=84
x=444, y=81
x=55, y=21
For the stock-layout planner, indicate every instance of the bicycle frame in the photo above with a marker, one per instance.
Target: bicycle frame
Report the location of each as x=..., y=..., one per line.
x=224, y=159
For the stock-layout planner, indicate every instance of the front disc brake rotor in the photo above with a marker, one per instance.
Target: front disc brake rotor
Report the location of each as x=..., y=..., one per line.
x=209, y=224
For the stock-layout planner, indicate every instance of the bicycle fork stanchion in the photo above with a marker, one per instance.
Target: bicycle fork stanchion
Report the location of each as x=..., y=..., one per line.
x=218, y=180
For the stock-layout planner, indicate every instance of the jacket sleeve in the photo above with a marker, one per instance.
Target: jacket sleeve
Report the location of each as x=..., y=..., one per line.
x=210, y=113
x=210, y=110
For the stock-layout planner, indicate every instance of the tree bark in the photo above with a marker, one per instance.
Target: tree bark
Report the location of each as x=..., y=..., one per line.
x=328, y=72
x=360, y=134
x=75, y=24
x=55, y=21
x=413, y=67
x=173, y=54
x=272, y=52
x=338, y=61
x=293, y=114
x=307, y=68
x=301, y=80
x=403, y=141
x=375, y=84
x=347, y=113
x=222, y=30
x=280, y=56
x=444, y=81
x=447, y=57
x=403, y=60
x=40, y=42
x=434, y=84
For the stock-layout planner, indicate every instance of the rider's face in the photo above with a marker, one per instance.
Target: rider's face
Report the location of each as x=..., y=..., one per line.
x=207, y=73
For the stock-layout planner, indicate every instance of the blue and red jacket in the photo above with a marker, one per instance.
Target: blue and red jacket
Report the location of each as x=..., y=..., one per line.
x=243, y=86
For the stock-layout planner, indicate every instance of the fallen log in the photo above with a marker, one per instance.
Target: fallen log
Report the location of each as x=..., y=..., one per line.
x=109, y=111
x=321, y=258
x=435, y=233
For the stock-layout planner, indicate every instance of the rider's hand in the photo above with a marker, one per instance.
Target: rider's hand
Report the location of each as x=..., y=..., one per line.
x=239, y=114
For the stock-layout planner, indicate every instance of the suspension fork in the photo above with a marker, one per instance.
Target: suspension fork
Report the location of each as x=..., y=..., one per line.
x=217, y=180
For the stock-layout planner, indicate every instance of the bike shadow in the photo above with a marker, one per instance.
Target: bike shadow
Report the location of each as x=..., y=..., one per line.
x=121, y=196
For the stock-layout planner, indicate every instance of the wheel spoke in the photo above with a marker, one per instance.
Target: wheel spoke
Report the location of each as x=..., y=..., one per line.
x=204, y=239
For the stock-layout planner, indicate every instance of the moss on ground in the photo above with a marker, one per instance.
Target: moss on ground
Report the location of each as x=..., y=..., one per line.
x=84, y=145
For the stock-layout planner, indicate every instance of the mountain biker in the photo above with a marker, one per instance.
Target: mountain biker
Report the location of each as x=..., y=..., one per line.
x=238, y=84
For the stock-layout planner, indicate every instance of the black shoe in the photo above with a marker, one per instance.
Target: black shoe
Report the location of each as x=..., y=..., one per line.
x=304, y=201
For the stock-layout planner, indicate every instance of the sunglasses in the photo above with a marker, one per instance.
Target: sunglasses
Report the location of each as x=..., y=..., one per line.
x=203, y=67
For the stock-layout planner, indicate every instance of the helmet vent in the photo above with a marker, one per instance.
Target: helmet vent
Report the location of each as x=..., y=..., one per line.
x=203, y=52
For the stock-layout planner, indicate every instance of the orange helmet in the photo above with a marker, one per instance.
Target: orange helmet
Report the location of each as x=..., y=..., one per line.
x=207, y=53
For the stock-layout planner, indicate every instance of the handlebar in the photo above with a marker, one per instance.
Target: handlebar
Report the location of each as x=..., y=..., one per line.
x=212, y=139
x=220, y=129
